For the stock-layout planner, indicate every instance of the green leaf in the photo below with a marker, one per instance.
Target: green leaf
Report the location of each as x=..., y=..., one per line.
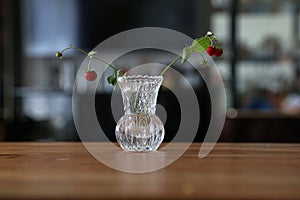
x=200, y=44
x=186, y=52
x=119, y=73
x=113, y=79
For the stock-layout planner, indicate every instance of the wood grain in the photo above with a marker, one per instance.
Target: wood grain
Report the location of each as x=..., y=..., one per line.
x=230, y=171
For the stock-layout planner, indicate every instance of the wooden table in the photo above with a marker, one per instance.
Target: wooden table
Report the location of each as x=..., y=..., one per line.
x=230, y=171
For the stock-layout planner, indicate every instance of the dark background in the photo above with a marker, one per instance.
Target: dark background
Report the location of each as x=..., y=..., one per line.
x=36, y=88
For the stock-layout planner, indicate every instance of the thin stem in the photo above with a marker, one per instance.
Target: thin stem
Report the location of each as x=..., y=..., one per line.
x=111, y=66
x=174, y=61
x=89, y=64
x=204, y=61
x=92, y=57
x=66, y=49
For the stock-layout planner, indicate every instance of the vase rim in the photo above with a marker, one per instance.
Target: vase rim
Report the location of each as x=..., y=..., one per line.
x=141, y=78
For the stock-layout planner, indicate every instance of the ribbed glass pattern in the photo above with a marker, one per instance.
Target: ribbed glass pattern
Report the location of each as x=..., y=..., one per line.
x=139, y=129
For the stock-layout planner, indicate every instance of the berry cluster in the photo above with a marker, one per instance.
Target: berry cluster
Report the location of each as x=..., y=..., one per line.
x=214, y=51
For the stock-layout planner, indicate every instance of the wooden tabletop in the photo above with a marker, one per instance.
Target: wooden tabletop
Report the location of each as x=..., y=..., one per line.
x=230, y=171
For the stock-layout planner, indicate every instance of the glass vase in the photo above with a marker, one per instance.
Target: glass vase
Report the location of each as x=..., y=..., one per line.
x=139, y=129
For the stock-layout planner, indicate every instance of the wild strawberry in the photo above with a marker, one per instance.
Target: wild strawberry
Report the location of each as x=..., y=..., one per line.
x=218, y=52
x=124, y=70
x=210, y=50
x=90, y=75
x=58, y=54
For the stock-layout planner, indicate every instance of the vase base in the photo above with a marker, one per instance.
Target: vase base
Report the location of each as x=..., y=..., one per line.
x=135, y=144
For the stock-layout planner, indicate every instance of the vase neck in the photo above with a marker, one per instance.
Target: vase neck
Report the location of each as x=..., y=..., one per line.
x=139, y=93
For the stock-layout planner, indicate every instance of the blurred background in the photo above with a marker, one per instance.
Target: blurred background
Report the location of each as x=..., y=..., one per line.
x=260, y=65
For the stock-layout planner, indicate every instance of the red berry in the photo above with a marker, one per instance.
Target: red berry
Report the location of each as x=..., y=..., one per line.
x=124, y=70
x=218, y=52
x=210, y=50
x=90, y=75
